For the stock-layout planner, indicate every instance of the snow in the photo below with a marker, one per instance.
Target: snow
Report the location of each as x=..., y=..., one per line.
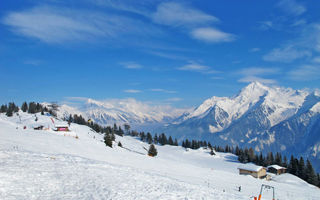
x=277, y=167
x=250, y=167
x=119, y=111
x=316, y=108
x=279, y=103
x=44, y=164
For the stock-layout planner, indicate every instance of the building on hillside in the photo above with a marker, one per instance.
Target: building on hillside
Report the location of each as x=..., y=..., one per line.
x=61, y=127
x=253, y=170
x=276, y=169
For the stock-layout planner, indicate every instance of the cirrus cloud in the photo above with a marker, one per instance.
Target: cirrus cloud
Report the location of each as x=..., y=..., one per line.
x=212, y=35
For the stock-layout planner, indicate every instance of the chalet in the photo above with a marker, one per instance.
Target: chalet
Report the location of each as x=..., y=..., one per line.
x=61, y=127
x=276, y=169
x=253, y=170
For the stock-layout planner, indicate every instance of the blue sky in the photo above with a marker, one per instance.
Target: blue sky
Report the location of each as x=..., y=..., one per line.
x=165, y=52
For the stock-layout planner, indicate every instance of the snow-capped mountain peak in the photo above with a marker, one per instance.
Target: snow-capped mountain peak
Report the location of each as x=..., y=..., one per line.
x=121, y=111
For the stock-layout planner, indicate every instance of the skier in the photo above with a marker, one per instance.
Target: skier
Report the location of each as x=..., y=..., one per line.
x=240, y=188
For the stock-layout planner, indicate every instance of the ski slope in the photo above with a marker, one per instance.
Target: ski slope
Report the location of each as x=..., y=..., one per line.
x=77, y=165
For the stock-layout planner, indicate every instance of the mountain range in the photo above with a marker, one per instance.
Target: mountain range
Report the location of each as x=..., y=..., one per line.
x=267, y=118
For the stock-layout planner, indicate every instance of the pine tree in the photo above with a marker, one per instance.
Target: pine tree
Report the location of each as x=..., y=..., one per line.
x=9, y=112
x=24, y=107
x=170, y=141
x=3, y=108
x=301, y=169
x=152, y=151
x=310, y=175
x=108, y=140
x=175, y=142
x=155, y=139
x=119, y=144
x=149, y=138
x=278, y=159
x=285, y=162
x=251, y=155
x=127, y=128
x=212, y=152
x=32, y=107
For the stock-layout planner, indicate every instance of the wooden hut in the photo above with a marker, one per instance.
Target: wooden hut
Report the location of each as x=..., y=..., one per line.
x=253, y=170
x=276, y=169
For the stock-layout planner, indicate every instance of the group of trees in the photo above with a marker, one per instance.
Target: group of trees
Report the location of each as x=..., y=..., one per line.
x=32, y=108
x=195, y=144
x=9, y=109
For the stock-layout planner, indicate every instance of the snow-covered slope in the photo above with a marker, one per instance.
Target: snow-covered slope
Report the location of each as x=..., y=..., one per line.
x=77, y=165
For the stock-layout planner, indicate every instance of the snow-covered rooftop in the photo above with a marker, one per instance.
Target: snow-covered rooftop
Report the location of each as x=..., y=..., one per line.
x=250, y=167
x=277, y=167
x=60, y=125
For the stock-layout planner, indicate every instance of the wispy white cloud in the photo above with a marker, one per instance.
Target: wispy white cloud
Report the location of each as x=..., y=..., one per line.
x=287, y=54
x=170, y=56
x=177, y=14
x=305, y=73
x=136, y=7
x=194, y=67
x=256, y=71
x=303, y=46
x=52, y=24
x=255, y=49
x=292, y=7
x=249, y=79
x=132, y=91
x=299, y=22
x=192, y=20
x=131, y=65
x=251, y=74
x=316, y=59
x=162, y=90
x=266, y=25
x=174, y=99
x=212, y=35
x=33, y=62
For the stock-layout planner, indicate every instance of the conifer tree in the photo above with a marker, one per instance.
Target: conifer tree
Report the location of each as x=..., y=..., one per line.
x=152, y=151
x=149, y=138
x=310, y=175
x=119, y=144
x=212, y=152
x=3, y=108
x=155, y=139
x=9, y=112
x=175, y=142
x=170, y=141
x=301, y=168
x=24, y=107
x=108, y=140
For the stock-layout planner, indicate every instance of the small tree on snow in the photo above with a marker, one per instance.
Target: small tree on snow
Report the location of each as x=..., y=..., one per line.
x=108, y=140
x=212, y=152
x=119, y=144
x=152, y=151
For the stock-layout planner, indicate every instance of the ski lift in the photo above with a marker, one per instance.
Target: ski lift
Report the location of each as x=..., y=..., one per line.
x=268, y=187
